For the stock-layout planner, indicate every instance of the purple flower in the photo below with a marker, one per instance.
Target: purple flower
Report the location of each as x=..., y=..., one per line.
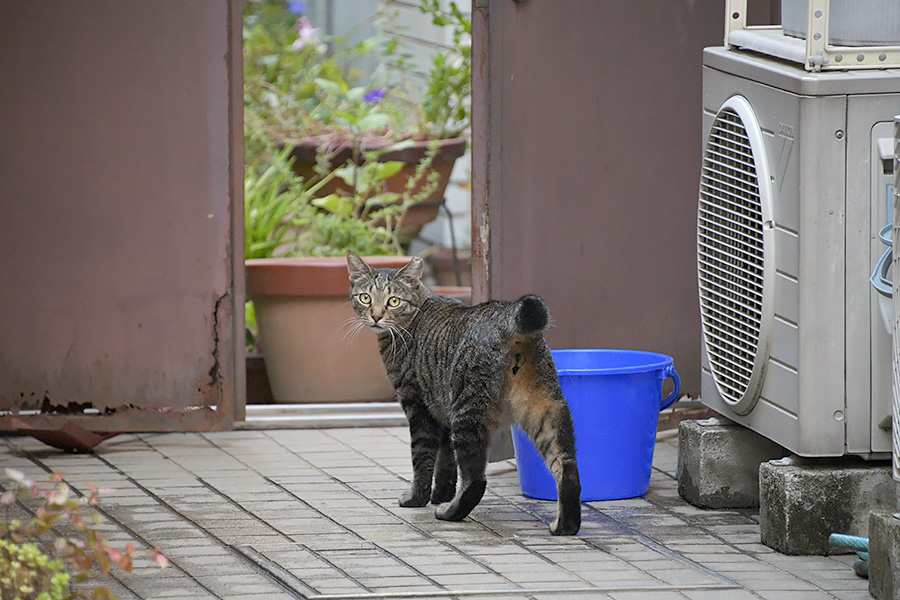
x=374, y=96
x=295, y=7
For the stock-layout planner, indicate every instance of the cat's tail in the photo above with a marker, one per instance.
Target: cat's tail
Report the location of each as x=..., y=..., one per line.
x=530, y=314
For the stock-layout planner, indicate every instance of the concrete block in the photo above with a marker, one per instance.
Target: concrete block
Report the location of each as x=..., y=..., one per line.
x=718, y=463
x=884, y=555
x=803, y=501
x=501, y=445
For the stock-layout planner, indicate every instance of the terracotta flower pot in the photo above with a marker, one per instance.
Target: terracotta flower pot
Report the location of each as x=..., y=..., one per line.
x=302, y=310
x=304, y=155
x=463, y=293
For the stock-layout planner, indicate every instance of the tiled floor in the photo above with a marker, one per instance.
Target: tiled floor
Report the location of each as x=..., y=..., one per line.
x=287, y=514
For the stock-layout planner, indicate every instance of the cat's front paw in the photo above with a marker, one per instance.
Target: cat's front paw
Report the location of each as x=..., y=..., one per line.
x=414, y=498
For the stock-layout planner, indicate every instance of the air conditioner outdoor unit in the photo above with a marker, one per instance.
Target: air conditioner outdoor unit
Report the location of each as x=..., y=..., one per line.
x=795, y=188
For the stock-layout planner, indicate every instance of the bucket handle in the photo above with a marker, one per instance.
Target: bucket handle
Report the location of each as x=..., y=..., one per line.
x=671, y=373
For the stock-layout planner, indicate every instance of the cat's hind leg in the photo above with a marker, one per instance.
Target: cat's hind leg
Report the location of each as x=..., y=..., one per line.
x=555, y=441
x=469, y=436
x=540, y=410
x=444, y=472
x=425, y=438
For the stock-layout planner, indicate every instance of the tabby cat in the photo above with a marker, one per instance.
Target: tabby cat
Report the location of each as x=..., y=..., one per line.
x=459, y=372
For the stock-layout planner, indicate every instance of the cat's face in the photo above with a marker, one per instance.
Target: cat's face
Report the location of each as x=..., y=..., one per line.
x=385, y=300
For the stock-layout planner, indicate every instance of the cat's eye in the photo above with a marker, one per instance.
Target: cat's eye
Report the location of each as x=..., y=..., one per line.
x=365, y=298
x=393, y=302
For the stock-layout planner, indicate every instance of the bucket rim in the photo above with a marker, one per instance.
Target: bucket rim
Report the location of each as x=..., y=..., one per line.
x=651, y=361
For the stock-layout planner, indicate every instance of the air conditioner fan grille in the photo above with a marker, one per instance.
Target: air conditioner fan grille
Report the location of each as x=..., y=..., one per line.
x=730, y=255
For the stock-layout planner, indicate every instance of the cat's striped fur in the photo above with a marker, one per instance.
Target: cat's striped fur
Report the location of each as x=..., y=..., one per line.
x=459, y=372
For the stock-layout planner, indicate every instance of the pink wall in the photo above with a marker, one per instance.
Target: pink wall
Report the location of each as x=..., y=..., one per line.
x=586, y=155
x=120, y=236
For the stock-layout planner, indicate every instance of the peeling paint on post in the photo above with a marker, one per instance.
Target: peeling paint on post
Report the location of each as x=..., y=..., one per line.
x=481, y=248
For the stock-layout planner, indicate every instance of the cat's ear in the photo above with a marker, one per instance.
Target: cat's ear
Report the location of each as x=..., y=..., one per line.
x=357, y=268
x=412, y=272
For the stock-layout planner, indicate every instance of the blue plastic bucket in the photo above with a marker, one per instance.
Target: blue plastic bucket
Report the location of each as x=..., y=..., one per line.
x=615, y=399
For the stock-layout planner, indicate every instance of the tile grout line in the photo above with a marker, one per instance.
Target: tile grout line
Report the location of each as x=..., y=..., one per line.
x=334, y=479
x=206, y=532
x=530, y=551
x=710, y=533
x=316, y=553
x=448, y=593
x=361, y=538
x=605, y=590
x=234, y=549
x=412, y=526
x=474, y=519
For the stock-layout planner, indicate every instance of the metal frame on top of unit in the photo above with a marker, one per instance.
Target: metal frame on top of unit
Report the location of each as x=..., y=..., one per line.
x=816, y=53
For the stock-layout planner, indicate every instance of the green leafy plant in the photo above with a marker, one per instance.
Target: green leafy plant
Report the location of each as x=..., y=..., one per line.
x=276, y=203
x=286, y=215
x=62, y=530
x=446, y=106
x=367, y=217
x=26, y=572
x=300, y=83
x=303, y=86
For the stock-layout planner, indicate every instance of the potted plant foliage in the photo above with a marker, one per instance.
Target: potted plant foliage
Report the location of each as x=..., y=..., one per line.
x=336, y=161
x=304, y=90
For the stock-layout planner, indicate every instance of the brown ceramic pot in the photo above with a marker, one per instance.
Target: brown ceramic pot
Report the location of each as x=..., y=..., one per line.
x=304, y=155
x=302, y=310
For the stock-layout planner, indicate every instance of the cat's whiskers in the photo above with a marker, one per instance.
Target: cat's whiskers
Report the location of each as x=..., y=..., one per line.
x=404, y=334
x=348, y=324
x=393, y=344
x=352, y=327
x=358, y=331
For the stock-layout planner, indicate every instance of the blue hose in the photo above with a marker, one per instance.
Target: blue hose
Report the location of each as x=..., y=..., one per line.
x=858, y=544
x=851, y=542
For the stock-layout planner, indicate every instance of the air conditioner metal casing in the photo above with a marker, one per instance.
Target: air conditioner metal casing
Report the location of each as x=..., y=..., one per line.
x=814, y=387
x=896, y=302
